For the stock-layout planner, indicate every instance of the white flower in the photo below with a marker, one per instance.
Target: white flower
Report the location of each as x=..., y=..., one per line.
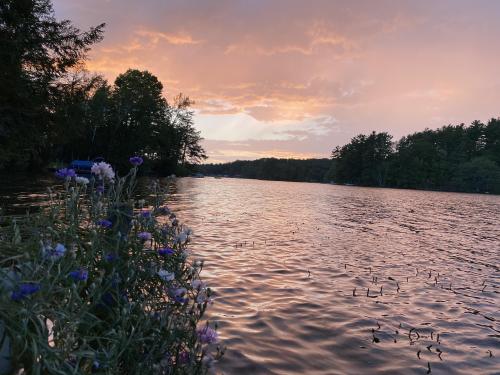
x=82, y=180
x=165, y=275
x=103, y=170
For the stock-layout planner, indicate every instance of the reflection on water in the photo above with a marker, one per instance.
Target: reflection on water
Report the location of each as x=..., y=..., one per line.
x=322, y=279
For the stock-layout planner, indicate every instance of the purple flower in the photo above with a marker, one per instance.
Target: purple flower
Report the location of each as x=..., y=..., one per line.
x=165, y=251
x=66, y=173
x=100, y=188
x=136, y=161
x=108, y=299
x=105, y=223
x=79, y=275
x=111, y=257
x=179, y=295
x=25, y=289
x=53, y=253
x=145, y=236
x=183, y=357
x=180, y=299
x=207, y=335
x=146, y=214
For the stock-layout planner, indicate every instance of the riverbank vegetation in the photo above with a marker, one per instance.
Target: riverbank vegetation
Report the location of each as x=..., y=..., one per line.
x=101, y=282
x=453, y=158
x=312, y=170
x=53, y=110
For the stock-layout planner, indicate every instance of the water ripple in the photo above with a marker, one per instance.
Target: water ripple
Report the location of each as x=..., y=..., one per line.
x=320, y=279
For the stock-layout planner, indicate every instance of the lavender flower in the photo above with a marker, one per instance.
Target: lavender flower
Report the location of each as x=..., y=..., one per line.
x=60, y=250
x=197, y=284
x=181, y=238
x=53, y=253
x=165, y=275
x=146, y=214
x=203, y=297
x=166, y=251
x=103, y=170
x=145, y=236
x=79, y=275
x=24, y=290
x=100, y=189
x=207, y=335
x=105, y=223
x=66, y=173
x=136, y=161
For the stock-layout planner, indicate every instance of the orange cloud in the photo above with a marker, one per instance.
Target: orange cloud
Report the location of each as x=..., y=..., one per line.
x=179, y=38
x=272, y=70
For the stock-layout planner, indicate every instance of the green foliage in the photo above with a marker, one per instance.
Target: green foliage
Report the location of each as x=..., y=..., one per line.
x=364, y=160
x=313, y=170
x=36, y=51
x=133, y=118
x=123, y=316
x=51, y=109
x=457, y=158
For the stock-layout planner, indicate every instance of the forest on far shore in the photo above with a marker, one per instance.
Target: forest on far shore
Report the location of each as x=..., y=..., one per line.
x=451, y=158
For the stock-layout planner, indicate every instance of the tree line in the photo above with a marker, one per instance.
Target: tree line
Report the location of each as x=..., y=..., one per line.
x=311, y=170
x=451, y=158
x=51, y=109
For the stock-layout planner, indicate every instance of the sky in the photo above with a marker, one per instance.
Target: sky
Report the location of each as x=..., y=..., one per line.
x=287, y=78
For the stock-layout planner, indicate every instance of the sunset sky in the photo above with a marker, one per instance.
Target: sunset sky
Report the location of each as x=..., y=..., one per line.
x=296, y=78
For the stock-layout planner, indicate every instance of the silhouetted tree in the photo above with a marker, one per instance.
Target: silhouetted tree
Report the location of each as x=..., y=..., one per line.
x=36, y=52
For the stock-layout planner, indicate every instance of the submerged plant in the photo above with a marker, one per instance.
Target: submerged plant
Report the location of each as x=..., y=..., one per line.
x=96, y=284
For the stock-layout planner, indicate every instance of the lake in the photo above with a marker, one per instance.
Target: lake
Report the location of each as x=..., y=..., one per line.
x=324, y=279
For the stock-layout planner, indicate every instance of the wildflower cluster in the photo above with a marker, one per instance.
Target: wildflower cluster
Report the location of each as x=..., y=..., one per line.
x=100, y=282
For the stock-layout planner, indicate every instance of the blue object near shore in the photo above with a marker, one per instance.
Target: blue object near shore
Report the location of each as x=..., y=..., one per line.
x=83, y=167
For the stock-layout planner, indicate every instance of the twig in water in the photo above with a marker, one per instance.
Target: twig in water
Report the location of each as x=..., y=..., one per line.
x=429, y=367
x=439, y=353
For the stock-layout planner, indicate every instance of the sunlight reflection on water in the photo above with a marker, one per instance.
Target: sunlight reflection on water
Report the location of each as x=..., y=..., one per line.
x=399, y=280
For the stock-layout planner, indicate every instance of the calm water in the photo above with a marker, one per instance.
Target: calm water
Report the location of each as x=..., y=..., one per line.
x=323, y=279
